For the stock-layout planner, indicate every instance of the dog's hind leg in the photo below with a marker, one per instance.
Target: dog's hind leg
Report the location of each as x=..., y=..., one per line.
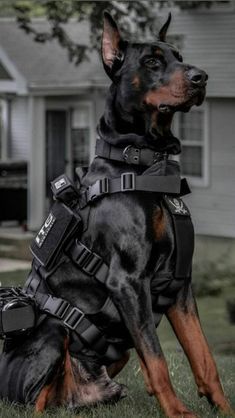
x=184, y=319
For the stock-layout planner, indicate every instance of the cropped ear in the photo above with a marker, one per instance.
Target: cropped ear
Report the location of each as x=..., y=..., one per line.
x=163, y=30
x=112, y=52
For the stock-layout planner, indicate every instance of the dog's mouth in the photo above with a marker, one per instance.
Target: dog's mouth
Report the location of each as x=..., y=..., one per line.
x=194, y=97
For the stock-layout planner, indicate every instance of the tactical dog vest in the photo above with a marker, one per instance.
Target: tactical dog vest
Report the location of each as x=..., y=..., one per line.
x=59, y=237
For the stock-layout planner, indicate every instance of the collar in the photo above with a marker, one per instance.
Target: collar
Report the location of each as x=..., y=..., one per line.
x=129, y=154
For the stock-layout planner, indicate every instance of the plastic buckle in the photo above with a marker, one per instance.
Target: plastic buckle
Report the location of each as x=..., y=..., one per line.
x=131, y=154
x=104, y=185
x=74, y=318
x=89, y=262
x=99, y=188
x=62, y=309
x=127, y=182
x=56, y=306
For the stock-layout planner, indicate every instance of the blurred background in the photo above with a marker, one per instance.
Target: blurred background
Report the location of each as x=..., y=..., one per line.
x=52, y=93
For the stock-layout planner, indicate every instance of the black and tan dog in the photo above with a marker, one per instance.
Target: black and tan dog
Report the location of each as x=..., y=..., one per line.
x=133, y=233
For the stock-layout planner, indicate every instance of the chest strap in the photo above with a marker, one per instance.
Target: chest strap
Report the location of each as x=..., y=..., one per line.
x=88, y=261
x=129, y=154
x=84, y=333
x=129, y=182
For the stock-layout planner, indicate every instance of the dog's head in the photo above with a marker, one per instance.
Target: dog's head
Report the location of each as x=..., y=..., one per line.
x=150, y=76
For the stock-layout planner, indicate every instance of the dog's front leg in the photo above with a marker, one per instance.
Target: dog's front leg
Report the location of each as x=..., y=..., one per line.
x=132, y=297
x=186, y=324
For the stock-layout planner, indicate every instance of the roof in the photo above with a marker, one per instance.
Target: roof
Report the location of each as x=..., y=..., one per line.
x=208, y=40
x=45, y=65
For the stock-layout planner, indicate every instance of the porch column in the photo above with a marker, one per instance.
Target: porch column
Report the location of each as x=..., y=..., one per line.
x=6, y=126
x=37, y=163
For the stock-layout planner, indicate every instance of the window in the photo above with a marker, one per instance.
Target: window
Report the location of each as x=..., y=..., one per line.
x=191, y=129
x=80, y=143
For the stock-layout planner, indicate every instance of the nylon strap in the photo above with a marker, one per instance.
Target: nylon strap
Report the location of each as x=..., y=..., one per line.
x=84, y=332
x=129, y=182
x=88, y=261
x=129, y=154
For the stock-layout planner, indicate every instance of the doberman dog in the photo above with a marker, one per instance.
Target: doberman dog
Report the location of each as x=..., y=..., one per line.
x=133, y=233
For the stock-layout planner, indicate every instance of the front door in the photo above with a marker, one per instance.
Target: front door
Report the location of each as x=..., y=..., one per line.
x=55, y=145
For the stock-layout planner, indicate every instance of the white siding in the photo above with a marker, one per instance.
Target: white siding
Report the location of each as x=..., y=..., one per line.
x=19, y=129
x=213, y=207
x=208, y=42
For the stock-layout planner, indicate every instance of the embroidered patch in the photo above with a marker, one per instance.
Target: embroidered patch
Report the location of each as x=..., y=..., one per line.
x=45, y=229
x=177, y=206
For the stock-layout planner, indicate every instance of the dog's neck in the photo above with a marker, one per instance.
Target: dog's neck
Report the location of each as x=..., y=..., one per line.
x=122, y=126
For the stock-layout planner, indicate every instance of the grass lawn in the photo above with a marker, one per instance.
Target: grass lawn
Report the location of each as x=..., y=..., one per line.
x=138, y=404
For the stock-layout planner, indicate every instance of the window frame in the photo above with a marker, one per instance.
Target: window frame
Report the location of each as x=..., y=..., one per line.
x=69, y=106
x=195, y=180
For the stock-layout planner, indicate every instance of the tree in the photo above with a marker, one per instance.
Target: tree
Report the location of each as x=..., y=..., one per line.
x=136, y=19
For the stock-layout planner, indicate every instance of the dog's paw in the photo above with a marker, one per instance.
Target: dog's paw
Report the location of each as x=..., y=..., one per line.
x=115, y=393
x=124, y=391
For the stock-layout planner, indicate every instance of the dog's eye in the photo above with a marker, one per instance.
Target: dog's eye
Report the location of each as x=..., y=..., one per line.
x=152, y=62
x=180, y=58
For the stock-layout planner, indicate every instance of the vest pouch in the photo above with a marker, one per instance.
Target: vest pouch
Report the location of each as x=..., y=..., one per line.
x=18, y=312
x=59, y=228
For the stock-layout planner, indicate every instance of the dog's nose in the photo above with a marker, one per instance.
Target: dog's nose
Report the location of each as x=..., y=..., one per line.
x=197, y=77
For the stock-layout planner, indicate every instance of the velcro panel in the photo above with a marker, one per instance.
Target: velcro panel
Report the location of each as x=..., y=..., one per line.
x=60, y=225
x=184, y=235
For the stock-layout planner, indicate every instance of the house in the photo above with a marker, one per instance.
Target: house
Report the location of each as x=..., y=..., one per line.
x=50, y=107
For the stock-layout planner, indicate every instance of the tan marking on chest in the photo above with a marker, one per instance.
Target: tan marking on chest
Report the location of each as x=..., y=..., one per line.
x=159, y=224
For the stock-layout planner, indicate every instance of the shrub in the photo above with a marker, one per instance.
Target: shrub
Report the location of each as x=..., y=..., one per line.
x=209, y=280
x=230, y=304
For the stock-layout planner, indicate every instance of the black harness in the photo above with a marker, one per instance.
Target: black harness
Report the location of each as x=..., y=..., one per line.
x=58, y=241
